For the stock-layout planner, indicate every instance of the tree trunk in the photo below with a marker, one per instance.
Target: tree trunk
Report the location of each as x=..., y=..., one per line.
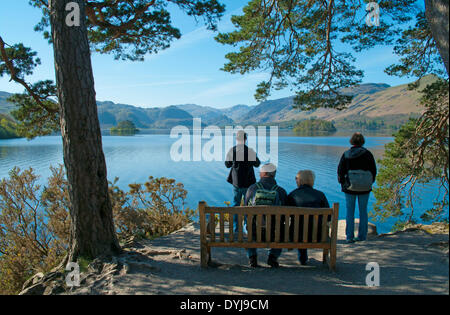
x=437, y=13
x=92, y=232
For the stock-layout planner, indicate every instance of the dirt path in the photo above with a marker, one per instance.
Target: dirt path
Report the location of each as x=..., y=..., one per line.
x=412, y=262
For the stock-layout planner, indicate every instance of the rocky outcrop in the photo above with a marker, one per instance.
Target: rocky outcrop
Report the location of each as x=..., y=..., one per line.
x=371, y=231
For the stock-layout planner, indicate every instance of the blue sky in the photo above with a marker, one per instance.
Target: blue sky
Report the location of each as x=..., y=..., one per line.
x=188, y=72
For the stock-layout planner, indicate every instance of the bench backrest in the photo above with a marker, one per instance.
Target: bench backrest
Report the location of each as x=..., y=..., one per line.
x=266, y=222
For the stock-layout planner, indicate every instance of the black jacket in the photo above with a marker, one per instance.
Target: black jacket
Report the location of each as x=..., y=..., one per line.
x=241, y=160
x=308, y=197
x=357, y=158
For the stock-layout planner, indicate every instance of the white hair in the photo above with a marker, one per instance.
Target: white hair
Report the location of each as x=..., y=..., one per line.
x=306, y=177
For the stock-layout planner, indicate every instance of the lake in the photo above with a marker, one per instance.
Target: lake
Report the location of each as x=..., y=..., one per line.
x=134, y=159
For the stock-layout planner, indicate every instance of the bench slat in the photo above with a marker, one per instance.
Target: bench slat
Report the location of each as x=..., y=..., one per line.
x=315, y=228
x=277, y=228
x=230, y=228
x=324, y=228
x=296, y=228
x=212, y=226
x=268, y=227
x=258, y=228
x=287, y=219
x=250, y=228
x=222, y=226
x=305, y=228
x=240, y=234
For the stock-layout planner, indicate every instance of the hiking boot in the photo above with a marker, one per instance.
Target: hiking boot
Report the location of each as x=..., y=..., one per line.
x=272, y=261
x=253, y=261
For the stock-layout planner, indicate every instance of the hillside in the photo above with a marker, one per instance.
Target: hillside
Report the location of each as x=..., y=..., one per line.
x=371, y=101
x=209, y=115
x=5, y=107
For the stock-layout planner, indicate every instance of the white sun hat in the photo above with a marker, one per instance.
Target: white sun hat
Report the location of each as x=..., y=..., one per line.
x=268, y=168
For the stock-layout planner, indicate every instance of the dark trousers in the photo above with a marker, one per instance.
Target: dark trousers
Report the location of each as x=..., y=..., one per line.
x=238, y=193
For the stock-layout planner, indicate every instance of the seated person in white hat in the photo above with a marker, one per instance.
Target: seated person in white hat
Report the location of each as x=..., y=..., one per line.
x=266, y=192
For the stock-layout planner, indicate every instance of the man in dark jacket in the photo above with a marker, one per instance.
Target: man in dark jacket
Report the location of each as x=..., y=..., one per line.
x=241, y=159
x=268, y=183
x=357, y=158
x=306, y=196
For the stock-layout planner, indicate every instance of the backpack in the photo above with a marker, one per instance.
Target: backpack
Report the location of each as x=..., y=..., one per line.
x=264, y=197
x=358, y=180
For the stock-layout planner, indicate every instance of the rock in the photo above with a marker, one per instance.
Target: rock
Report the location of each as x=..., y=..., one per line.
x=371, y=231
x=33, y=280
x=41, y=284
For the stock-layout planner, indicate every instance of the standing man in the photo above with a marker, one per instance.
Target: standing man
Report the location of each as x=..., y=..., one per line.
x=241, y=159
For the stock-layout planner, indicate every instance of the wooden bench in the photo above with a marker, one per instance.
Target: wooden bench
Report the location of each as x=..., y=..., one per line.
x=291, y=239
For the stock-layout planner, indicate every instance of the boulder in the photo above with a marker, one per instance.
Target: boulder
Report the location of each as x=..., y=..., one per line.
x=371, y=231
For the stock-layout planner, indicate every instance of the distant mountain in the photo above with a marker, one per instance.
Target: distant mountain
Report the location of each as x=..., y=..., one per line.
x=110, y=114
x=237, y=111
x=373, y=101
x=209, y=115
x=268, y=111
x=370, y=101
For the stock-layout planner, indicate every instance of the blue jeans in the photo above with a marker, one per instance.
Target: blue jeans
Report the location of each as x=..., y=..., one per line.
x=276, y=252
x=238, y=194
x=350, y=200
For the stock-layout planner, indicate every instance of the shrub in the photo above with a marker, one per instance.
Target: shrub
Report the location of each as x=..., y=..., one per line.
x=35, y=222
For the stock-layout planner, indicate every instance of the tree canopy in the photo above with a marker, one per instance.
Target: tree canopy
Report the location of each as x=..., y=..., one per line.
x=306, y=45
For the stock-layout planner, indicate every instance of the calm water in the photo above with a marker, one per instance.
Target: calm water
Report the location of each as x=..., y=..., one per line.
x=134, y=159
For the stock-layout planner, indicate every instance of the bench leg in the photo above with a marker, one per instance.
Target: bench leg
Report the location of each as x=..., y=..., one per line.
x=204, y=256
x=332, y=262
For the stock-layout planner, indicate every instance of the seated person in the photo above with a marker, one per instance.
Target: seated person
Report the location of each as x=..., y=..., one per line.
x=306, y=196
x=265, y=192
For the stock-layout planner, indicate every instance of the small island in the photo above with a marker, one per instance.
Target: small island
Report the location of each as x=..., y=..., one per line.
x=315, y=127
x=124, y=128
